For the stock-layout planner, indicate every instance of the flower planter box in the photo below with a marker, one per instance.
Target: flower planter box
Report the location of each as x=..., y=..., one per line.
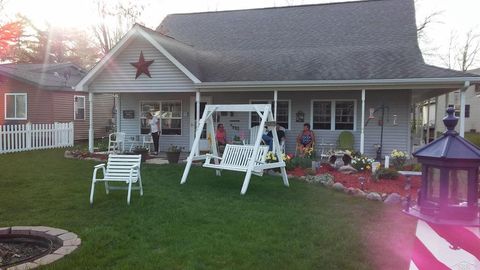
x=173, y=157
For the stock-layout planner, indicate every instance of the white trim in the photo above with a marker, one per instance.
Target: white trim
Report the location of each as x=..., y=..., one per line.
x=90, y=122
x=269, y=102
x=362, y=127
x=192, y=120
x=15, y=104
x=333, y=114
x=81, y=86
x=75, y=107
x=329, y=83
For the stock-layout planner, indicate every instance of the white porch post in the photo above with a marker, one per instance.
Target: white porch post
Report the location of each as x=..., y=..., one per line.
x=428, y=122
x=362, y=130
x=118, y=112
x=462, y=108
x=90, y=122
x=197, y=120
x=435, y=118
x=275, y=99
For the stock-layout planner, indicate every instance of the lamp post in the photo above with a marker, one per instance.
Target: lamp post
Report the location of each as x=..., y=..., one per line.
x=447, y=235
x=382, y=108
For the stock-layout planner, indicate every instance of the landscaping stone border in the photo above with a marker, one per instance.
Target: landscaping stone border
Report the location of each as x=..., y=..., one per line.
x=68, y=243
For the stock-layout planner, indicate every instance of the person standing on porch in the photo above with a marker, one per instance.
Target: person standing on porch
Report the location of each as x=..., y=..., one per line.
x=154, y=130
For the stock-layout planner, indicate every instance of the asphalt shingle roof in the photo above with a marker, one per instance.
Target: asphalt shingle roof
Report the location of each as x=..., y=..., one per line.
x=339, y=41
x=48, y=76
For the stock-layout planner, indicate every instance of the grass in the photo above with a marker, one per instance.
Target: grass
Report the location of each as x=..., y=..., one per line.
x=205, y=224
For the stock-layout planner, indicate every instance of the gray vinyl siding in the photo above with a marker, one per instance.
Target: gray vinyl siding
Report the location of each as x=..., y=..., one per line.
x=119, y=74
x=394, y=136
x=131, y=127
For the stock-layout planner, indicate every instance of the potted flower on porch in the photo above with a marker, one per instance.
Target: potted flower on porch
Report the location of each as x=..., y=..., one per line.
x=173, y=153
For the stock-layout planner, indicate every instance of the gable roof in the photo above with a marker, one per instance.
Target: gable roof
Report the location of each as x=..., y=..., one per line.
x=47, y=76
x=363, y=40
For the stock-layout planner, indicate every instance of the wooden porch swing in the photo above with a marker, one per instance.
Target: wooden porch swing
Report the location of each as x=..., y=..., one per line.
x=250, y=159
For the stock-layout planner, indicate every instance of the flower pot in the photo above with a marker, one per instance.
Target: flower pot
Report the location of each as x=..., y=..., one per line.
x=173, y=157
x=144, y=154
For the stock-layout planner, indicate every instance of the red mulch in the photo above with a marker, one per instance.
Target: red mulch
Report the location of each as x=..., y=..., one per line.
x=381, y=186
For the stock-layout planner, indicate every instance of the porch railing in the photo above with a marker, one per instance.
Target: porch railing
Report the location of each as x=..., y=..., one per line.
x=16, y=138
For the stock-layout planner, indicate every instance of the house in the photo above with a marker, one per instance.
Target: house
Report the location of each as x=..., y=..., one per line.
x=44, y=94
x=472, y=106
x=336, y=66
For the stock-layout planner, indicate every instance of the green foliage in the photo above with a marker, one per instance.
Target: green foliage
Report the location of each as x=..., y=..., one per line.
x=301, y=162
x=473, y=138
x=385, y=173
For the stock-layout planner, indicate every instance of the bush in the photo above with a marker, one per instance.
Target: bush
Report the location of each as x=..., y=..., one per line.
x=385, y=173
x=301, y=162
x=362, y=163
x=398, y=158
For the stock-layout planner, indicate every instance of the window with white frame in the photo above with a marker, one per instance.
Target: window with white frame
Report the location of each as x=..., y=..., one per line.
x=333, y=114
x=283, y=113
x=79, y=108
x=16, y=106
x=168, y=112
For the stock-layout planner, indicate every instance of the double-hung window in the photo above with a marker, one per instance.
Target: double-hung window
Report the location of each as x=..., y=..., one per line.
x=283, y=113
x=168, y=112
x=79, y=108
x=16, y=106
x=333, y=114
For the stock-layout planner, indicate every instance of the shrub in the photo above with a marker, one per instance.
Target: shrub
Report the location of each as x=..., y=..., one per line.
x=301, y=162
x=310, y=171
x=385, y=173
x=362, y=163
x=398, y=158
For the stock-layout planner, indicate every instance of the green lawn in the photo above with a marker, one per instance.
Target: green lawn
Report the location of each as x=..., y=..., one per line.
x=205, y=224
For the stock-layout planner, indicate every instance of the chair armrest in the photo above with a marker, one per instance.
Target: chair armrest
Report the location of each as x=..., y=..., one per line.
x=96, y=167
x=99, y=166
x=212, y=156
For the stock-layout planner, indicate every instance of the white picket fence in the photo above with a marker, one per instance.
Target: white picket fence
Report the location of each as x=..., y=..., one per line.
x=16, y=138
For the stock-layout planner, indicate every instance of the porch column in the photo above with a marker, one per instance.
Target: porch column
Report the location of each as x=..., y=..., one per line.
x=428, y=122
x=462, y=108
x=362, y=129
x=275, y=99
x=435, y=118
x=197, y=120
x=90, y=122
x=118, y=113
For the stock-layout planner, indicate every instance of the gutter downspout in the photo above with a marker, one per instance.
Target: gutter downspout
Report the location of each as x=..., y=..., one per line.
x=462, y=108
x=362, y=131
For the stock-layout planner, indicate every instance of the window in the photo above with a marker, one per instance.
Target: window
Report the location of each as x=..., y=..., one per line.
x=457, y=110
x=283, y=113
x=171, y=118
x=168, y=112
x=333, y=114
x=79, y=108
x=16, y=106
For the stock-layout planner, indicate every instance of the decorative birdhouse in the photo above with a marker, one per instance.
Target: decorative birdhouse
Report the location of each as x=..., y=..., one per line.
x=449, y=191
x=448, y=229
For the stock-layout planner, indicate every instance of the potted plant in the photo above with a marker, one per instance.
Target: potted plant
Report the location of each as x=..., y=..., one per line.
x=141, y=150
x=173, y=153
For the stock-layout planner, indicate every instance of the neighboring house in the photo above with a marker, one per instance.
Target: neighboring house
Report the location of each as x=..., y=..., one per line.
x=44, y=94
x=472, y=107
x=329, y=64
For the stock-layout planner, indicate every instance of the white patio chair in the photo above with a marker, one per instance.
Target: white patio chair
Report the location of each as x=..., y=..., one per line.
x=147, y=140
x=118, y=144
x=119, y=168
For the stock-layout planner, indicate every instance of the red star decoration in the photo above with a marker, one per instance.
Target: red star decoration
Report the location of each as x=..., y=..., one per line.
x=142, y=66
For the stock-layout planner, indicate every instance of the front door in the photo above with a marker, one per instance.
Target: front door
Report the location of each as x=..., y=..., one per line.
x=193, y=126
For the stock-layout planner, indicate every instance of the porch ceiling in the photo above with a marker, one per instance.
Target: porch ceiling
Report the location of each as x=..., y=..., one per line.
x=419, y=95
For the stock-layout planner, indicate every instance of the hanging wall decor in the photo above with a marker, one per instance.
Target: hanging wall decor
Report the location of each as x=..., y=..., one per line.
x=142, y=66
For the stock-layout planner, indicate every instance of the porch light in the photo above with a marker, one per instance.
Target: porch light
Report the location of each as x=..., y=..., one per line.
x=450, y=176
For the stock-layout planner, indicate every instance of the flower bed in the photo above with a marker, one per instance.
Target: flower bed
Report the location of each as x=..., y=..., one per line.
x=381, y=186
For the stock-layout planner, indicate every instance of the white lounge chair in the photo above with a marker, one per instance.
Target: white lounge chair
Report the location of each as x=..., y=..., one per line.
x=119, y=168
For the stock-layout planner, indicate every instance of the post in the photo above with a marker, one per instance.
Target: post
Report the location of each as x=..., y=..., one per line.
x=117, y=113
x=28, y=137
x=275, y=99
x=435, y=118
x=362, y=128
x=90, y=122
x=197, y=110
x=428, y=123
x=462, y=108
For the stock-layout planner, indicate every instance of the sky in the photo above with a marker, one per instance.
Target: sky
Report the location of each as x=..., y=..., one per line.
x=457, y=16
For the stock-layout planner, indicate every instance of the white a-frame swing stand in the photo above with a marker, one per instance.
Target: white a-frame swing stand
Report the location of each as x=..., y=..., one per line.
x=244, y=158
